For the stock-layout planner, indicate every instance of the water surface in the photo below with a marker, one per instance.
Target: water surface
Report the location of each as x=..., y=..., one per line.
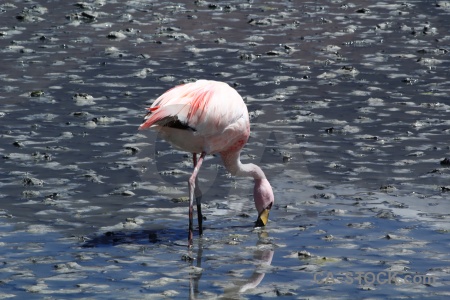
x=349, y=108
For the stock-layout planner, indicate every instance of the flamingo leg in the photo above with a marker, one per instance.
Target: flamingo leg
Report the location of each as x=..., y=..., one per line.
x=198, y=198
x=192, y=186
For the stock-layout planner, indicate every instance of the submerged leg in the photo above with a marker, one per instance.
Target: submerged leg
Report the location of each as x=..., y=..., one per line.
x=193, y=188
x=198, y=198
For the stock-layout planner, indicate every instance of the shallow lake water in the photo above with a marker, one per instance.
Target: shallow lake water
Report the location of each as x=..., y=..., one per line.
x=349, y=106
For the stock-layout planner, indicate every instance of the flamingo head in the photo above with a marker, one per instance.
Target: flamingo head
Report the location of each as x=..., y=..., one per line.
x=263, y=196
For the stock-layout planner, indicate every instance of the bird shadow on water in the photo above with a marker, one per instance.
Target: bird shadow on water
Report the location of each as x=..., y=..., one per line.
x=141, y=237
x=168, y=236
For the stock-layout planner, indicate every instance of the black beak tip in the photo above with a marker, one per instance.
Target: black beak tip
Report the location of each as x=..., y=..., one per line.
x=259, y=223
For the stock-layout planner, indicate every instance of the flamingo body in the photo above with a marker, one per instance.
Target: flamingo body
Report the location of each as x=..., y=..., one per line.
x=208, y=117
x=205, y=116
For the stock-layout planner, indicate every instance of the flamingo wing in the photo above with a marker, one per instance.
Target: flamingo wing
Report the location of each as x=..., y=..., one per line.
x=206, y=107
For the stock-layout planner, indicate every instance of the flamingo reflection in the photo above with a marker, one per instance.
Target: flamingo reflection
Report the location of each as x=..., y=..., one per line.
x=262, y=257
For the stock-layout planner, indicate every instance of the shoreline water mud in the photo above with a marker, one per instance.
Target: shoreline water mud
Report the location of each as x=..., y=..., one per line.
x=349, y=113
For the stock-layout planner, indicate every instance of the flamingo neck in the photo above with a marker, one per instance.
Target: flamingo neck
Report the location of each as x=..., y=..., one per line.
x=232, y=163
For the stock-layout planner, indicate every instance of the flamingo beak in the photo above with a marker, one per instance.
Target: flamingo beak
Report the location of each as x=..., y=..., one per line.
x=263, y=218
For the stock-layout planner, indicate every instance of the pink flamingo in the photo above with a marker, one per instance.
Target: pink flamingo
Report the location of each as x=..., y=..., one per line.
x=209, y=117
